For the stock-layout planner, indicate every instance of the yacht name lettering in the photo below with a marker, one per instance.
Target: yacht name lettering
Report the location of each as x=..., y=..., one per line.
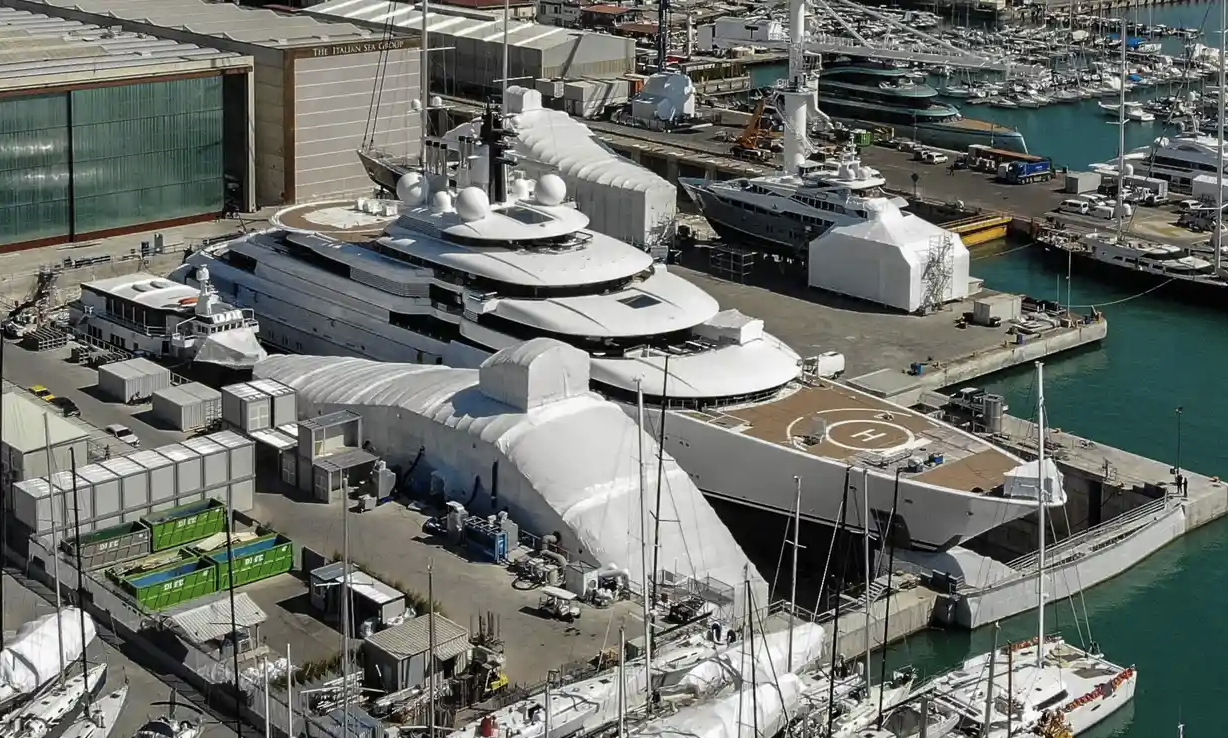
x=345, y=49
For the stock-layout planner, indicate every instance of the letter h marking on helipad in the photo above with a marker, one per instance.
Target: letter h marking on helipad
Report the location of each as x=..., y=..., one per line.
x=868, y=435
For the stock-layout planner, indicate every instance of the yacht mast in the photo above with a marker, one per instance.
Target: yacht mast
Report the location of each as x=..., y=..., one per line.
x=865, y=524
x=56, y=536
x=1121, y=139
x=424, y=86
x=797, y=543
x=795, y=93
x=645, y=595
x=1041, y=496
x=1219, y=149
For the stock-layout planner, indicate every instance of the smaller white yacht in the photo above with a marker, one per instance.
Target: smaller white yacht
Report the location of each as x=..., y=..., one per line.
x=153, y=316
x=1176, y=160
x=785, y=212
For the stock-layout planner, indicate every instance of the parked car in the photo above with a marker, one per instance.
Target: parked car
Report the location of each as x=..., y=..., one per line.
x=67, y=407
x=934, y=157
x=123, y=433
x=42, y=392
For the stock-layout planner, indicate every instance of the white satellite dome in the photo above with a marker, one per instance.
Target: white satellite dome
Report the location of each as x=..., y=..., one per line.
x=472, y=204
x=521, y=189
x=441, y=202
x=415, y=105
x=864, y=174
x=436, y=101
x=551, y=190
x=513, y=122
x=411, y=189
x=1128, y=170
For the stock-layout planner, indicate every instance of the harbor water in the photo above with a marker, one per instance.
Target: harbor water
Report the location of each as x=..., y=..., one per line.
x=1164, y=615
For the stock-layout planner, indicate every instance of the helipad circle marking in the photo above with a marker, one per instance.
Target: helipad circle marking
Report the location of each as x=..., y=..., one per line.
x=907, y=435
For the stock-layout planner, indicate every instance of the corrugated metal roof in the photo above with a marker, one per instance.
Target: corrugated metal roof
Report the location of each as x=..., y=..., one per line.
x=414, y=637
x=256, y=26
x=328, y=420
x=24, y=430
x=34, y=45
x=274, y=438
x=409, y=17
x=204, y=623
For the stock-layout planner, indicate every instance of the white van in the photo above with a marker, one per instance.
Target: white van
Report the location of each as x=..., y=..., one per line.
x=1078, y=207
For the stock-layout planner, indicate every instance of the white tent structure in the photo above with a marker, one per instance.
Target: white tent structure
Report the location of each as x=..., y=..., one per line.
x=622, y=199
x=892, y=258
x=524, y=434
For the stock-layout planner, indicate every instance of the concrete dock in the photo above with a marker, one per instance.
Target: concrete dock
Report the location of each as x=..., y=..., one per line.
x=880, y=346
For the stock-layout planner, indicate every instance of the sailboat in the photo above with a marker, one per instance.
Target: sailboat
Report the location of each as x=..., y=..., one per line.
x=1043, y=685
x=38, y=717
x=100, y=718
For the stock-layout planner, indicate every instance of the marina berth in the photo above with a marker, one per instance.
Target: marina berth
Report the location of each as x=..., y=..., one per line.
x=524, y=434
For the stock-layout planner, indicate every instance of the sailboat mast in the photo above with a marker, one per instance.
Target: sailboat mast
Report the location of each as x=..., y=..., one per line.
x=507, y=18
x=1219, y=158
x=1041, y=495
x=346, y=612
x=424, y=84
x=646, y=595
x=797, y=542
x=430, y=632
x=656, y=513
x=1121, y=136
x=76, y=522
x=622, y=682
x=55, y=543
x=835, y=621
x=865, y=524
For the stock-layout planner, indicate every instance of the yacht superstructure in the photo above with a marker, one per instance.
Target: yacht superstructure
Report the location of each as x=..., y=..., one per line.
x=453, y=278
x=1176, y=160
x=785, y=212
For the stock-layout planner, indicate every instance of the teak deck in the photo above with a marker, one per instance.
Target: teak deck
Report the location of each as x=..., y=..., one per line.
x=839, y=423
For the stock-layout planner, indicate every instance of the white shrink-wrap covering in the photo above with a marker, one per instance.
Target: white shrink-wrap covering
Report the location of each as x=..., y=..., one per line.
x=767, y=706
x=622, y=199
x=30, y=658
x=733, y=664
x=557, y=459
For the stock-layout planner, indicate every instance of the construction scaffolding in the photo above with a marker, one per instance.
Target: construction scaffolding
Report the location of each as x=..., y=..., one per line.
x=731, y=263
x=937, y=272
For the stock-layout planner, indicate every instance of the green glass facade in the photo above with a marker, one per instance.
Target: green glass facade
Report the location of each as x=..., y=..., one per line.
x=107, y=158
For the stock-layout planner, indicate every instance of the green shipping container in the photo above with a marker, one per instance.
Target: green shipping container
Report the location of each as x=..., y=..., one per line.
x=254, y=560
x=171, y=585
x=182, y=525
x=111, y=545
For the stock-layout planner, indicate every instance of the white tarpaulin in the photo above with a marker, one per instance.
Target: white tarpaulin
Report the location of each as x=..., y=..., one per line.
x=569, y=463
x=237, y=349
x=734, y=665
x=30, y=659
x=764, y=710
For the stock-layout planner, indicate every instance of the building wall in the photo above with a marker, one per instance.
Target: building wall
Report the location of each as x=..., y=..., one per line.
x=268, y=80
x=108, y=159
x=591, y=56
x=347, y=101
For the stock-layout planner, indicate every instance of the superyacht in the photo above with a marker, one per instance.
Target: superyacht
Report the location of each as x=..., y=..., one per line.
x=783, y=213
x=870, y=92
x=1177, y=160
x=472, y=261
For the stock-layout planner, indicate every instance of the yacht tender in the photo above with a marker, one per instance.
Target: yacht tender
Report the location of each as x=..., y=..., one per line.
x=452, y=278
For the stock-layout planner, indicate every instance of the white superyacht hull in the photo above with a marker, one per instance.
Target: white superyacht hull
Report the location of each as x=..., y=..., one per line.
x=301, y=310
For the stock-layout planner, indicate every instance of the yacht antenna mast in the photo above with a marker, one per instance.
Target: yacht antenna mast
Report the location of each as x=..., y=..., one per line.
x=1041, y=492
x=424, y=86
x=1219, y=149
x=1119, y=206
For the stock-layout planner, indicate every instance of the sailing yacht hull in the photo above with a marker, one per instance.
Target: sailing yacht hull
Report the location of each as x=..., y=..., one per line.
x=102, y=717
x=1197, y=291
x=382, y=171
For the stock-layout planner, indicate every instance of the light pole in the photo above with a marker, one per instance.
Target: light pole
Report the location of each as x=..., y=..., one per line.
x=1180, y=479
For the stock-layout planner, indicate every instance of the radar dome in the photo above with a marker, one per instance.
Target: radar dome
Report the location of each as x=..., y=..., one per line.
x=436, y=101
x=863, y=174
x=411, y=189
x=1128, y=170
x=521, y=189
x=472, y=204
x=513, y=122
x=551, y=190
x=441, y=202
x=415, y=106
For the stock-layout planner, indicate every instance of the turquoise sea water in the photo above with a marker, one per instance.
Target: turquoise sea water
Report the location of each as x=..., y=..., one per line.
x=1167, y=615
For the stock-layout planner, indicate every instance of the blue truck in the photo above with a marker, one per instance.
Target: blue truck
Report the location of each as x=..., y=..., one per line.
x=1035, y=169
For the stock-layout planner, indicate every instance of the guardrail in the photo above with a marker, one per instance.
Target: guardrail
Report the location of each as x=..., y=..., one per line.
x=1027, y=564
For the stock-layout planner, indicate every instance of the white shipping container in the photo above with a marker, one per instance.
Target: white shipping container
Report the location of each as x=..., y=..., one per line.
x=242, y=453
x=215, y=461
x=133, y=379
x=246, y=408
x=285, y=400
x=160, y=474
x=32, y=504
x=187, y=407
x=188, y=473
x=133, y=486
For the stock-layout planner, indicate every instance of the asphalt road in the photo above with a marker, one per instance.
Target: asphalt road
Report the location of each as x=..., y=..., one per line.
x=145, y=688
x=54, y=370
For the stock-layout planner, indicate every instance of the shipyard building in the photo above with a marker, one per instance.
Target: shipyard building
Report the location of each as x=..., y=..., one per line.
x=469, y=57
x=308, y=103
x=104, y=132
